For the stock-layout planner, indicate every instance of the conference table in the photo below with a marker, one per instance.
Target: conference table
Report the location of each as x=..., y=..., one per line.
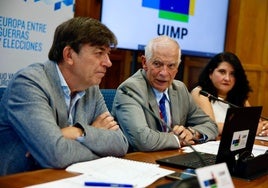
x=46, y=175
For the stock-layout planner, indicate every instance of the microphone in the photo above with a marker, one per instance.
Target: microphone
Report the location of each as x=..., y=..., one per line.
x=210, y=96
x=126, y=92
x=206, y=94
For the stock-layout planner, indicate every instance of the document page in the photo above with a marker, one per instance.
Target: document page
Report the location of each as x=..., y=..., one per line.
x=111, y=170
x=264, y=138
x=213, y=146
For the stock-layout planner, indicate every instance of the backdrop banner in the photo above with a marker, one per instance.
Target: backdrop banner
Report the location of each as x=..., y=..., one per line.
x=26, y=32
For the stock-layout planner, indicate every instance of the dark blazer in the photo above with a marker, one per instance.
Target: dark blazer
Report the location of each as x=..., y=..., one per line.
x=142, y=129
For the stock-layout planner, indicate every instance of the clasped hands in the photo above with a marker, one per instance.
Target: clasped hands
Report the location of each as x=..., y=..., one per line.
x=186, y=135
x=103, y=121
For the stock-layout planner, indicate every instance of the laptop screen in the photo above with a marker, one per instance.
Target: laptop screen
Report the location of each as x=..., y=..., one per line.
x=236, y=142
x=238, y=134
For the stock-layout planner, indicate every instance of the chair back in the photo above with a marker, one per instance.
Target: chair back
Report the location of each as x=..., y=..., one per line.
x=108, y=95
x=2, y=89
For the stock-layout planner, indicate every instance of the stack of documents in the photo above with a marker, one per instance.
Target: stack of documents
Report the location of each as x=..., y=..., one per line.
x=111, y=171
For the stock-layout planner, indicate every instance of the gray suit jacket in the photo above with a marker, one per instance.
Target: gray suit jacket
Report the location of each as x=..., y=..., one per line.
x=142, y=129
x=32, y=112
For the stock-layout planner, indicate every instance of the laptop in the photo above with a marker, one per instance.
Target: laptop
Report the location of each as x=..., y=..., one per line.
x=236, y=144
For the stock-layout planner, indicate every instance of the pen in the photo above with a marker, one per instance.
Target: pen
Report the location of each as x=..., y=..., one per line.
x=101, y=184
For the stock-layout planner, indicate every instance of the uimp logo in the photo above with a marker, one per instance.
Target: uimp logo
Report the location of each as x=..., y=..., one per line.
x=177, y=10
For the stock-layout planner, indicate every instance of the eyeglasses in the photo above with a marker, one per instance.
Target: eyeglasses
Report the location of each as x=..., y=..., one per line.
x=159, y=65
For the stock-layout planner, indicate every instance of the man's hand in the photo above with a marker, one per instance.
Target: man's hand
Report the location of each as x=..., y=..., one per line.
x=71, y=132
x=105, y=121
x=185, y=136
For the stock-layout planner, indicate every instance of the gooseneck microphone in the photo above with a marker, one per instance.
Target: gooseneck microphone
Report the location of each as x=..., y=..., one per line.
x=126, y=92
x=210, y=96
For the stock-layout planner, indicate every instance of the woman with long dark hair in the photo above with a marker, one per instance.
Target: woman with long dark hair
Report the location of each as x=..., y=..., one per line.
x=224, y=77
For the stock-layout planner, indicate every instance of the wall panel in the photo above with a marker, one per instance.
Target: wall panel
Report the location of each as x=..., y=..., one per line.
x=247, y=36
